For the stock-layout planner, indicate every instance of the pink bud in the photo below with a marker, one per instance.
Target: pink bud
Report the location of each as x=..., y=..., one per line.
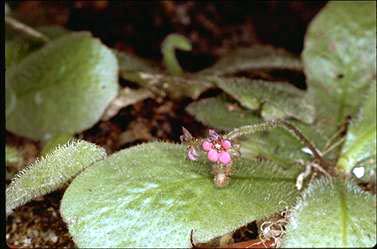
x=192, y=154
x=213, y=135
x=226, y=144
x=213, y=155
x=206, y=145
x=224, y=158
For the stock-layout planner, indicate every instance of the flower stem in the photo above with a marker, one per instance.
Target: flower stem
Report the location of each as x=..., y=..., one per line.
x=27, y=30
x=250, y=129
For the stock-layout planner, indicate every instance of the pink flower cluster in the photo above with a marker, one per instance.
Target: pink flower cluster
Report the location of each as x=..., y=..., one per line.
x=217, y=148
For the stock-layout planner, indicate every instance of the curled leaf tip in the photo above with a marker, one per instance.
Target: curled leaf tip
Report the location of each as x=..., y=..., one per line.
x=170, y=43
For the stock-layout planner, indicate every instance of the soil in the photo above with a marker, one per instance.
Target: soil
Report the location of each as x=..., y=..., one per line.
x=139, y=27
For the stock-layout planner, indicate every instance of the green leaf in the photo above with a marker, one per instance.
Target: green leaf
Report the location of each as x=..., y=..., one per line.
x=257, y=57
x=280, y=146
x=53, y=31
x=219, y=113
x=130, y=66
x=359, y=148
x=275, y=99
x=51, y=172
x=54, y=142
x=151, y=195
x=12, y=156
x=10, y=101
x=339, y=59
x=15, y=50
x=179, y=86
x=62, y=88
x=333, y=214
x=17, y=46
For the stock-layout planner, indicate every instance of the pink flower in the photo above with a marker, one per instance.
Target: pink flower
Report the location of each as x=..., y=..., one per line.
x=224, y=158
x=226, y=144
x=213, y=135
x=213, y=155
x=217, y=148
x=206, y=145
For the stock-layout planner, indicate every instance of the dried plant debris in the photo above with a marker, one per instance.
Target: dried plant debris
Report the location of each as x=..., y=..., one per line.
x=266, y=232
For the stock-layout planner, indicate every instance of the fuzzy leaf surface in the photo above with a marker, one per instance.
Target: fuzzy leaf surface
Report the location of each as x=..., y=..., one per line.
x=15, y=50
x=275, y=99
x=152, y=195
x=54, y=142
x=257, y=57
x=340, y=59
x=63, y=87
x=17, y=47
x=219, y=113
x=51, y=172
x=333, y=214
x=360, y=146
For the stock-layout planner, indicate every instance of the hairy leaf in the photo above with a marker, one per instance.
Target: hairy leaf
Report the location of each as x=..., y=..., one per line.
x=219, y=113
x=51, y=172
x=152, y=195
x=257, y=57
x=340, y=59
x=360, y=146
x=275, y=99
x=333, y=214
x=54, y=142
x=62, y=88
x=15, y=50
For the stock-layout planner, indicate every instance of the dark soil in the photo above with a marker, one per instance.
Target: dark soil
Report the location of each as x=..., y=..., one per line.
x=139, y=27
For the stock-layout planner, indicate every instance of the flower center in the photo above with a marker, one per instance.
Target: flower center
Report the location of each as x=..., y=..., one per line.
x=217, y=146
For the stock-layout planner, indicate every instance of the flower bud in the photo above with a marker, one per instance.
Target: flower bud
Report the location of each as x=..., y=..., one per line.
x=192, y=154
x=224, y=158
x=206, y=145
x=213, y=155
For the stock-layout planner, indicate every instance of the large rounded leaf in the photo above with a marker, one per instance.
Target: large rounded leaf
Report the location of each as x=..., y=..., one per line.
x=62, y=88
x=340, y=59
x=152, y=196
x=333, y=214
x=15, y=50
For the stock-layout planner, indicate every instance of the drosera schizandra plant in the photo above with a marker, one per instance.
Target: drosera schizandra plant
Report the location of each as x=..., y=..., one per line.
x=221, y=149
